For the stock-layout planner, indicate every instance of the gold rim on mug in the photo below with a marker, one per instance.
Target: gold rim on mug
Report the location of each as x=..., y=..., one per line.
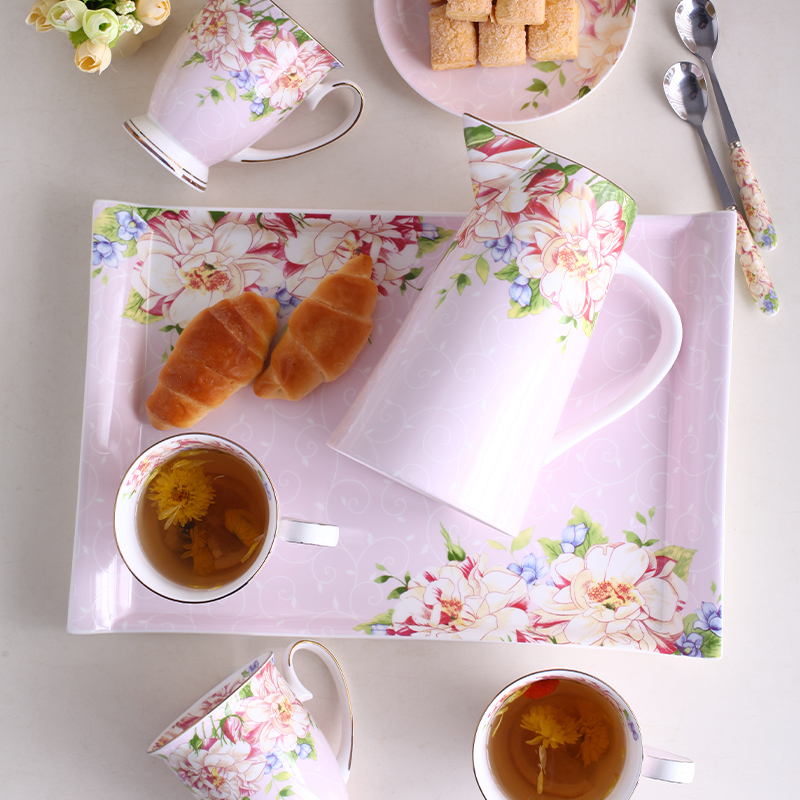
x=344, y=683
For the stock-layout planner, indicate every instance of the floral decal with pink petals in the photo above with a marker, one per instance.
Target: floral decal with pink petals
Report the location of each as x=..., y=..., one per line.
x=605, y=28
x=187, y=260
x=551, y=228
x=576, y=589
x=259, y=55
x=249, y=745
x=755, y=208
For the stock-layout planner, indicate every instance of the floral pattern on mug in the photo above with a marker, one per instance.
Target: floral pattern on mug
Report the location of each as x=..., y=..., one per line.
x=551, y=228
x=577, y=589
x=271, y=63
x=187, y=260
x=248, y=743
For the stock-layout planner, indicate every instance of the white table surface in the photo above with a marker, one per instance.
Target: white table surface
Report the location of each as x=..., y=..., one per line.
x=79, y=711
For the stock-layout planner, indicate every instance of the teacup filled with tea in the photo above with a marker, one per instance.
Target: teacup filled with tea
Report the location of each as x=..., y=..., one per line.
x=562, y=734
x=196, y=516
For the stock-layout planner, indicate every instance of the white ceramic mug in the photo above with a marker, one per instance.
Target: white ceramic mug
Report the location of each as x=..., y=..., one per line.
x=135, y=483
x=236, y=72
x=637, y=760
x=251, y=736
x=465, y=403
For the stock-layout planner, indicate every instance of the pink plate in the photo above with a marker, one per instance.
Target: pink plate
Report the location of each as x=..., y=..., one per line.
x=506, y=95
x=624, y=535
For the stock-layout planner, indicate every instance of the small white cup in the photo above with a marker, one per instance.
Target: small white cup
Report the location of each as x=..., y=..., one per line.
x=135, y=482
x=638, y=759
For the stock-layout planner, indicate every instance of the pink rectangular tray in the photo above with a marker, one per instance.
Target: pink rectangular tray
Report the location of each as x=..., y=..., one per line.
x=624, y=537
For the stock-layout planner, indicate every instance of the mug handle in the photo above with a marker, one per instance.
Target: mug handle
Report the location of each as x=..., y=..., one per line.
x=647, y=380
x=345, y=755
x=301, y=532
x=664, y=766
x=252, y=155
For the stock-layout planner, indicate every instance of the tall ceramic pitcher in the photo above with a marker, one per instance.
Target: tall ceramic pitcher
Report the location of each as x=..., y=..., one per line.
x=465, y=403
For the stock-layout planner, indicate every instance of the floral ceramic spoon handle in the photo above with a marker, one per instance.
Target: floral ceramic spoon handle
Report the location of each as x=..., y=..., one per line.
x=758, y=217
x=758, y=280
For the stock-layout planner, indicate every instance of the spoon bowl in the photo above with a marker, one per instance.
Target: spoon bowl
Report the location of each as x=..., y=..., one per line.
x=697, y=26
x=685, y=88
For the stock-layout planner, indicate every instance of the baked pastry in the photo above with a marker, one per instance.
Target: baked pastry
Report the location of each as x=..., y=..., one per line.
x=557, y=38
x=221, y=349
x=324, y=335
x=470, y=10
x=520, y=12
x=454, y=42
x=500, y=45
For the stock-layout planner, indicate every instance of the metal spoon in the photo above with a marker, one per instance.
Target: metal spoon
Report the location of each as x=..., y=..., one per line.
x=685, y=88
x=696, y=21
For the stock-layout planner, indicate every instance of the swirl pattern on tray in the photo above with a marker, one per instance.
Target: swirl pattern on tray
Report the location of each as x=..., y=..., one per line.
x=623, y=539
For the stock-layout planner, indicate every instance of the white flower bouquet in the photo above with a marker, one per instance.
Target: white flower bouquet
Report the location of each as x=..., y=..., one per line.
x=96, y=26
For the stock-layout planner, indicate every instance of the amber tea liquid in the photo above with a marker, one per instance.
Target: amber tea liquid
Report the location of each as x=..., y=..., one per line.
x=236, y=487
x=515, y=764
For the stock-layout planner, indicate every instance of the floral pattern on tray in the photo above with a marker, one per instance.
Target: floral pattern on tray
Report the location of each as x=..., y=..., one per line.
x=623, y=539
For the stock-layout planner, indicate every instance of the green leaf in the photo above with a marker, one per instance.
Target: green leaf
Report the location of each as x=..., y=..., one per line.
x=462, y=281
x=216, y=216
x=562, y=78
x=215, y=96
x=641, y=518
x=382, y=578
x=496, y=545
x=478, y=136
x=96, y=272
x=455, y=552
x=650, y=542
x=286, y=792
x=522, y=539
x=245, y=692
x=713, y=587
x=712, y=645
x=231, y=90
x=197, y=58
x=682, y=556
x=628, y=215
x=552, y=549
x=571, y=169
x=652, y=512
x=482, y=268
x=594, y=534
x=508, y=273
x=633, y=538
x=78, y=37
x=283, y=776
x=195, y=742
x=301, y=36
x=538, y=86
x=384, y=618
x=396, y=592
x=546, y=66
x=517, y=311
x=381, y=567
x=584, y=90
x=133, y=310
x=148, y=213
x=561, y=339
x=426, y=246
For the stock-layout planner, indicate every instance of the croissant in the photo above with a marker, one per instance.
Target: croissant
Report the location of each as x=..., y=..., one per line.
x=325, y=333
x=221, y=349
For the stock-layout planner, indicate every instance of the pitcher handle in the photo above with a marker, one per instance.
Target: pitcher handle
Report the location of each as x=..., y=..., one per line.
x=647, y=380
x=252, y=155
x=344, y=757
x=664, y=766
